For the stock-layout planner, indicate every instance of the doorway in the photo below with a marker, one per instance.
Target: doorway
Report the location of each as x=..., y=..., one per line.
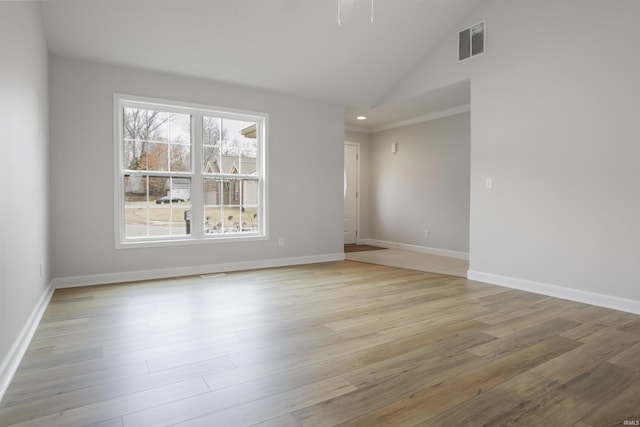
x=351, y=189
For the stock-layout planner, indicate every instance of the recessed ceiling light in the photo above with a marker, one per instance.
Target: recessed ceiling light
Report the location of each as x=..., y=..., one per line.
x=361, y=118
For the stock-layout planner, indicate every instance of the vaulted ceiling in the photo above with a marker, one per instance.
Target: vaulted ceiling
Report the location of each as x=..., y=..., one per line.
x=290, y=46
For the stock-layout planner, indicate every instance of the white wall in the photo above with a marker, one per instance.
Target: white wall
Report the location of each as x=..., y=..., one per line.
x=424, y=186
x=554, y=105
x=24, y=169
x=305, y=171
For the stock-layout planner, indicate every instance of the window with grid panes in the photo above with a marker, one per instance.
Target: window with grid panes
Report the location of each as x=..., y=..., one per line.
x=188, y=173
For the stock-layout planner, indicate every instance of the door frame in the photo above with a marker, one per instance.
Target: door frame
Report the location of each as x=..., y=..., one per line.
x=358, y=195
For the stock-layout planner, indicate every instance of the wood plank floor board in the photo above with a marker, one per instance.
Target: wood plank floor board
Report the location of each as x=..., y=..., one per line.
x=632, y=327
x=494, y=403
x=453, y=390
x=586, y=357
x=68, y=381
x=628, y=358
x=570, y=402
x=339, y=347
x=523, y=338
x=429, y=358
x=122, y=389
x=384, y=386
x=338, y=343
x=625, y=406
x=284, y=421
x=243, y=392
x=275, y=405
x=282, y=367
x=110, y=407
x=113, y=422
x=468, y=334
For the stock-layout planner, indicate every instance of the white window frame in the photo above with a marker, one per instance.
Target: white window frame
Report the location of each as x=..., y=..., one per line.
x=197, y=111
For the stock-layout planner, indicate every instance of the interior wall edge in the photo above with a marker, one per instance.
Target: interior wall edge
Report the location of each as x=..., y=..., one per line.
x=12, y=360
x=165, y=273
x=577, y=295
x=415, y=248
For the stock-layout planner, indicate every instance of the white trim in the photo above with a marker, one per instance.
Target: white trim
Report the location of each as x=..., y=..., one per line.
x=361, y=129
x=130, y=276
x=415, y=248
x=12, y=360
x=357, y=145
x=427, y=117
x=412, y=121
x=185, y=240
x=592, y=298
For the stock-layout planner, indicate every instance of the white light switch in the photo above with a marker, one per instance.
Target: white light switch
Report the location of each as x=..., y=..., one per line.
x=488, y=183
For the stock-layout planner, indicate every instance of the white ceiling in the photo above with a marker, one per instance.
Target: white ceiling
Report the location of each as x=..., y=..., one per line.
x=289, y=46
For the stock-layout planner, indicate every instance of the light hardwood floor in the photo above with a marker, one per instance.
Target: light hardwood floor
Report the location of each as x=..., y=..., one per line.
x=340, y=343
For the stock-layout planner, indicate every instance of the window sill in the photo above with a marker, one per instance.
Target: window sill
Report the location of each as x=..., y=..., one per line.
x=185, y=241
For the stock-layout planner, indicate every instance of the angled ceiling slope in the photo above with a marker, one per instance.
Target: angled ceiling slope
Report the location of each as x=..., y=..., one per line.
x=289, y=46
x=446, y=100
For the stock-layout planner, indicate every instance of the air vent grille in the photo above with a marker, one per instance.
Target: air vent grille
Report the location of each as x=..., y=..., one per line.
x=471, y=41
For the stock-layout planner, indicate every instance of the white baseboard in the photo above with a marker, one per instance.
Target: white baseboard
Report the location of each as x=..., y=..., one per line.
x=592, y=298
x=10, y=364
x=415, y=248
x=162, y=273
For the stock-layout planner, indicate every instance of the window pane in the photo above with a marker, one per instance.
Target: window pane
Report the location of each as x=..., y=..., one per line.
x=213, y=206
x=157, y=126
x=212, y=192
x=248, y=165
x=249, y=206
x=211, y=159
x=180, y=158
x=231, y=220
x=180, y=128
x=223, y=211
x=145, y=125
x=132, y=155
x=157, y=157
x=239, y=146
x=248, y=150
x=135, y=189
x=231, y=206
x=212, y=222
x=136, y=205
x=211, y=130
x=211, y=145
x=179, y=189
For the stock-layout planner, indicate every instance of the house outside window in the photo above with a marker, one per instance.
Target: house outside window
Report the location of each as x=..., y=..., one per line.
x=188, y=173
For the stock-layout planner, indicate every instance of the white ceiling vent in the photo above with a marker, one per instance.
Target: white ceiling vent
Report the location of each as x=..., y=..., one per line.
x=471, y=41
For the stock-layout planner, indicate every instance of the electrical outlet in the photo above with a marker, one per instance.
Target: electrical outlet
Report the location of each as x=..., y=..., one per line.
x=281, y=241
x=488, y=183
x=426, y=234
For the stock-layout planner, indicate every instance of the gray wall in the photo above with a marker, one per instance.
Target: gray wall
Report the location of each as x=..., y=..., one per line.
x=24, y=169
x=554, y=104
x=424, y=186
x=305, y=171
